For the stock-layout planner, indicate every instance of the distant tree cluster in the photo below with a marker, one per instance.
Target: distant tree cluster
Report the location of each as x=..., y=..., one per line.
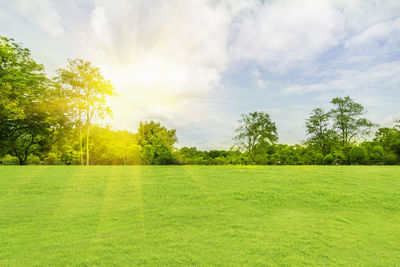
x=55, y=121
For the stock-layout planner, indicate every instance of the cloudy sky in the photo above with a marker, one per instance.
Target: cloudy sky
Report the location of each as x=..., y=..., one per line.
x=197, y=65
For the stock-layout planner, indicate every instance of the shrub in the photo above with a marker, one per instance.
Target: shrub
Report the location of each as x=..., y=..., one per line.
x=329, y=159
x=70, y=157
x=274, y=159
x=340, y=157
x=51, y=159
x=9, y=160
x=376, y=155
x=33, y=160
x=358, y=154
x=390, y=159
x=319, y=159
x=378, y=150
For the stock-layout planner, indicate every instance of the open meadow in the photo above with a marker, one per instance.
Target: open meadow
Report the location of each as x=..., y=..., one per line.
x=199, y=215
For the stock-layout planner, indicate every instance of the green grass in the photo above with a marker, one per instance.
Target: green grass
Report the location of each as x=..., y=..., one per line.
x=198, y=215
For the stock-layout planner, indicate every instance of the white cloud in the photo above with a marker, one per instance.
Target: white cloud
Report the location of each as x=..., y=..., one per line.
x=41, y=12
x=388, y=31
x=256, y=78
x=254, y=72
x=281, y=34
x=385, y=75
x=261, y=83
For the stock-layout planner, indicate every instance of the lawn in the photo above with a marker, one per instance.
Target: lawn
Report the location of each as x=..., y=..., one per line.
x=199, y=215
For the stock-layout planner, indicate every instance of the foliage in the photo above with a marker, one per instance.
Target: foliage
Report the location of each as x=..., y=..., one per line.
x=377, y=154
x=51, y=159
x=9, y=160
x=329, y=159
x=86, y=90
x=390, y=159
x=319, y=159
x=256, y=129
x=320, y=134
x=358, y=154
x=28, y=110
x=157, y=143
x=389, y=139
x=33, y=160
x=70, y=157
x=347, y=119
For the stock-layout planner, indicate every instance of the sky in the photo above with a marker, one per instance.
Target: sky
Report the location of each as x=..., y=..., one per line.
x=196, y=65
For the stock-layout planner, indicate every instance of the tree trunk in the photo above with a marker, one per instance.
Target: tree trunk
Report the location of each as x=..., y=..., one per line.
x=80, y=144
x=87, y=143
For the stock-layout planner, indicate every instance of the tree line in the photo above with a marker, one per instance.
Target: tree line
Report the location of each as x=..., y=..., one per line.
x=57, y=120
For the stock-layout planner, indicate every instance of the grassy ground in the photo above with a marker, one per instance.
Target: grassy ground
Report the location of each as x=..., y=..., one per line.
x=189, y=215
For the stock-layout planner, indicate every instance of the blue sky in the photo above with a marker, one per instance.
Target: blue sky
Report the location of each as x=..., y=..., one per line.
x=198, y=65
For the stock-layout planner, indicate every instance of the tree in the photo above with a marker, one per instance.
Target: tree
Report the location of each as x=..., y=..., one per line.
x=348, y=122
x=347, y=119
x=255, y=128
x=157, y=142
x=321, y=135
x=28, y=102
x=86, y=91
x=389, y=139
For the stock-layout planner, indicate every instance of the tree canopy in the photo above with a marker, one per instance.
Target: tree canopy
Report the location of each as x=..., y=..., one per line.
x=255, y=129
x=28, y=102
x=321, y=135
x=86, y=92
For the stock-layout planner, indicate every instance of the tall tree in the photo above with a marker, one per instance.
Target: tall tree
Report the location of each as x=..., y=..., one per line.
x=320, y=134
x=348, y=120
x=255, y=128
x=28, y=102
x=349, y=123
x=87, y=90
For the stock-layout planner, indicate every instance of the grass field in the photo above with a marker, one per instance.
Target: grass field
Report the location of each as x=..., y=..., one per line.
x=198, y=215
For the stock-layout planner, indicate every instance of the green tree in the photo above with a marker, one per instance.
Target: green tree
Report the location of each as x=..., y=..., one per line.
x=348, y=122
x=29, y=114
x=86, y=90
x=320, y=134
x=389, y=139
x=255, y=128
x=157, y=142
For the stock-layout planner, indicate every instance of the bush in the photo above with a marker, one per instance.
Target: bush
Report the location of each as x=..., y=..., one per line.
x=390, y=159
x=378, y=150
x=329, y=159
x=33, y=160
x=319, y=159
x=70, y=158
x=51, y=159
x=9, y=160
x=376, y=155
x=358, y=154
x=340, y=157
